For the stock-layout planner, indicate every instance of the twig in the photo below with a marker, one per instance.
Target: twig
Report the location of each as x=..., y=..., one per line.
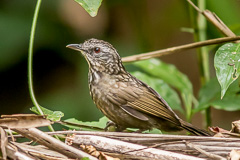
x=40, y=151
x=171, y=50
x=214, y=19
x=218, y=23
x=52, y=143
x=14, y=153
x=210, y=155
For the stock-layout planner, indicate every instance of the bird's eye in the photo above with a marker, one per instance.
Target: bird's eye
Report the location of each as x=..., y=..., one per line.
x=97, y=49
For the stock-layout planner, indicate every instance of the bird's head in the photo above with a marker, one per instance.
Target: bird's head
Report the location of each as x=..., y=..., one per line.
x=100, y=55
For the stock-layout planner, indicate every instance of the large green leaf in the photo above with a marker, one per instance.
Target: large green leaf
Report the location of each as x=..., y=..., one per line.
x=51, y=115
x=167, y=93
x=91, y=6
x=209, y=95
x=88, y=126
x=152, y=131
x=227, y=65
x=171, y=75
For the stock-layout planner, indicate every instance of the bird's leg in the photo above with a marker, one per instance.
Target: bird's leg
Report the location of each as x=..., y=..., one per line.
x=116, y=127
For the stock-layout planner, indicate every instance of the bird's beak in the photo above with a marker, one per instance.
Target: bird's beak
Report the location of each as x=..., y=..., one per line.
x=77, y=47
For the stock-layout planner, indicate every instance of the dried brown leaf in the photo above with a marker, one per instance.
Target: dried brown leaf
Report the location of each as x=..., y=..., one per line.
x=23, y=121
x=106, y=157
x=235, y=155
x=92, y=151
x=218, y=130
x=235, y=127
x=69, y=138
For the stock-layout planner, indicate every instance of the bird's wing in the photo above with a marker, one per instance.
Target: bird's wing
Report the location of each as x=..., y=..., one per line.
x=139, y=96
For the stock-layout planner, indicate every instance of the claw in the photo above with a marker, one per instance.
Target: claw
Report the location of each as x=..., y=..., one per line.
x=109, y=124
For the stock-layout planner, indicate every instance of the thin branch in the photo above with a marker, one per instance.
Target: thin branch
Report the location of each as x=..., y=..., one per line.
x=15, y=154
x=194, y=6
x=210, y=155
x=171, y=50
x=218, y=23
x=40, y=151
x=214, y=19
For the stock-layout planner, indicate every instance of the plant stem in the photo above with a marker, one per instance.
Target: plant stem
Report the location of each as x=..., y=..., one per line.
x=30, y=59
x=200, y=25
x=202, y=36
x=203, y=53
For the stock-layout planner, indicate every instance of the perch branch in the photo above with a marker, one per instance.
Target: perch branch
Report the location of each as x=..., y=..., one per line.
x=174, y=143
x=112, y=145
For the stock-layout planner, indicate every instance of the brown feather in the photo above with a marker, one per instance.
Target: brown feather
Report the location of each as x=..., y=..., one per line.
x=144, y=100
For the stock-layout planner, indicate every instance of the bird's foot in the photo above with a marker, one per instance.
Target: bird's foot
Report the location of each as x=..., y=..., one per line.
x=113, y=127
x=110, y=124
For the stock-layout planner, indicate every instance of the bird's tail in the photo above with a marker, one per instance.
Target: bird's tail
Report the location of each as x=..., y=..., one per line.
x=194, y=130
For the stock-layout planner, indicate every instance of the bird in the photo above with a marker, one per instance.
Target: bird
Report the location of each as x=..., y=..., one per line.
x=125, y=100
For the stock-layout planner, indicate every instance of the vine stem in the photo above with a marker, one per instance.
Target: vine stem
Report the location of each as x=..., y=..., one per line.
x=30, y=57
x=30, y=62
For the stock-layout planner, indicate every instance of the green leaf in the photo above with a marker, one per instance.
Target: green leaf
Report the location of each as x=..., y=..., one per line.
x=51, y=115
x=87, y=126
x=91, y=6
x=166, y=92
x=171, y=75
x=209, y=95
x=228, y=103
x=153, y=131
x=227, y=65
x=85, y=158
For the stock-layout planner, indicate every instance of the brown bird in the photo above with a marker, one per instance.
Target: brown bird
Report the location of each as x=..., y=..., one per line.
x=125, y=100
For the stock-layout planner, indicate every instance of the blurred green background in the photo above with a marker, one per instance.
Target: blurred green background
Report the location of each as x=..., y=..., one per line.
x=60, y=74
